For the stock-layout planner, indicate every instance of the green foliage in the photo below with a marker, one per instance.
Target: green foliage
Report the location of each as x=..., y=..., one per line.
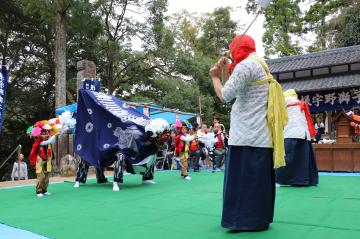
x=283, y=22
x=316, y=21
x=176, y=93
x=170, y=69
x=346, y=27
x=218, y=32
x=185, y=29
x=27, y=47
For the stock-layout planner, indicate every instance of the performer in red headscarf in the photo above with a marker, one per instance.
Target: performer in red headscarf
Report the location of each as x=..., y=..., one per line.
x=258, y=115
x=241, y=51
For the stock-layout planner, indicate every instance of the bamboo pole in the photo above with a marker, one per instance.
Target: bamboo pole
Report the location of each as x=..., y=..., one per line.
x=200, y=110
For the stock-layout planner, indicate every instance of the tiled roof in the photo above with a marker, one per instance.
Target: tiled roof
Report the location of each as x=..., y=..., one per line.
x=323, y=83
x=332, y=57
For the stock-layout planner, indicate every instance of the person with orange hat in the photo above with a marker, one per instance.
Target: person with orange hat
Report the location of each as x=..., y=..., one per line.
x=300, y=169
x=256, y=144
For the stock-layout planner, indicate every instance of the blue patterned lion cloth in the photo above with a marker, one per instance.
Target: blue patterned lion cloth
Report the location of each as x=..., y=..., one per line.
x=106, y=128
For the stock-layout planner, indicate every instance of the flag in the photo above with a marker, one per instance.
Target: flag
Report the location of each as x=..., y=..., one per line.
x=3, y=82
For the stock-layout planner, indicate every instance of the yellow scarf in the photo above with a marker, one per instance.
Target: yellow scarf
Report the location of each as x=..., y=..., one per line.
x=276, y=113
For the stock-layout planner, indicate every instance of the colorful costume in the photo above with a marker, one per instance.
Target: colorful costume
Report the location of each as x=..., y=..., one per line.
x=41, y=156
x=182, y=144
x=41, y=153
x=300, y=160
x=256, y=143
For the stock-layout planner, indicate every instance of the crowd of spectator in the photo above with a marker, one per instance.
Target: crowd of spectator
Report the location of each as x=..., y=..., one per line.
x=201, y=156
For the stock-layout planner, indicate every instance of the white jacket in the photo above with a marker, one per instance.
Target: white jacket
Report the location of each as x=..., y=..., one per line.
x=297, y=127
x=22, y=171
x=248, y=123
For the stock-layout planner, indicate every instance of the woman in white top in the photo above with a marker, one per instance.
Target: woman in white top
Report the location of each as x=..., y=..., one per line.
x=300, y=169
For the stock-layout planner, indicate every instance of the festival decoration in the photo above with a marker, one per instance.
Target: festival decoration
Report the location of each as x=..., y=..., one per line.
x=52, y=126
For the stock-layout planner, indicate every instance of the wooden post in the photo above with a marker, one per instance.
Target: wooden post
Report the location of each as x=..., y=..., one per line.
x=86, y=70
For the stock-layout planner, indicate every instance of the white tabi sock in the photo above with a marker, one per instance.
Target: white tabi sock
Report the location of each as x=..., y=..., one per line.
x=115, y=187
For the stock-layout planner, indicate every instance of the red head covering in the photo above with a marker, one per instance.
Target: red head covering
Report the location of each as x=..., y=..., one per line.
x=241, y=50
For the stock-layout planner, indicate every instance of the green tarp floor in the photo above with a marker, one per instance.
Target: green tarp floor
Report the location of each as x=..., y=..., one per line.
x=178, y=209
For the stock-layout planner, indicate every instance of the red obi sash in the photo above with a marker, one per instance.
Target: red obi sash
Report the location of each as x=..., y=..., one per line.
x=305, y=107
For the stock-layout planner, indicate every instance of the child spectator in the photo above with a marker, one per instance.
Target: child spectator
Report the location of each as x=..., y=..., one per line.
x=194, y=152
x=219, y=147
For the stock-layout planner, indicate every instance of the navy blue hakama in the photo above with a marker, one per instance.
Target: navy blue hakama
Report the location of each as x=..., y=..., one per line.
x=249, y=189
x=300, y=169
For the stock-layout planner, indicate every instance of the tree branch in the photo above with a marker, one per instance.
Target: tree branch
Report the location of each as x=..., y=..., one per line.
x=120, y=18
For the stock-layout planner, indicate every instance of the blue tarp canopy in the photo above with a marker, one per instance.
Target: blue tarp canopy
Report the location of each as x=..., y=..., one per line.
x=72, y=108
x=170, y=117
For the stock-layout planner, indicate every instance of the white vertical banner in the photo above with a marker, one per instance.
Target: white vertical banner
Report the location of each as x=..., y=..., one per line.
x=198, y=120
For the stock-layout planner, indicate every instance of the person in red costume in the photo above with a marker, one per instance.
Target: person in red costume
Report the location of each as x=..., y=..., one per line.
x=41, y=156
x=182, y=144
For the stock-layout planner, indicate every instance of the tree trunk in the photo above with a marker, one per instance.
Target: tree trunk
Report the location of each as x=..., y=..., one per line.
x=60, y=79
x=5, y=50
x=60, y=59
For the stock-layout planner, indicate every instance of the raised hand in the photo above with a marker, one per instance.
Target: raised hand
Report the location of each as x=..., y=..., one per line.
x=216, y=70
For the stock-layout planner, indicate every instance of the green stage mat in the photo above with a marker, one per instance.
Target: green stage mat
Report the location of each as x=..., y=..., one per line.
x=178, y=209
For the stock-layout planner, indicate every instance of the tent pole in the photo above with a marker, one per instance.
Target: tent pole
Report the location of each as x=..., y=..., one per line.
x=200, y=110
